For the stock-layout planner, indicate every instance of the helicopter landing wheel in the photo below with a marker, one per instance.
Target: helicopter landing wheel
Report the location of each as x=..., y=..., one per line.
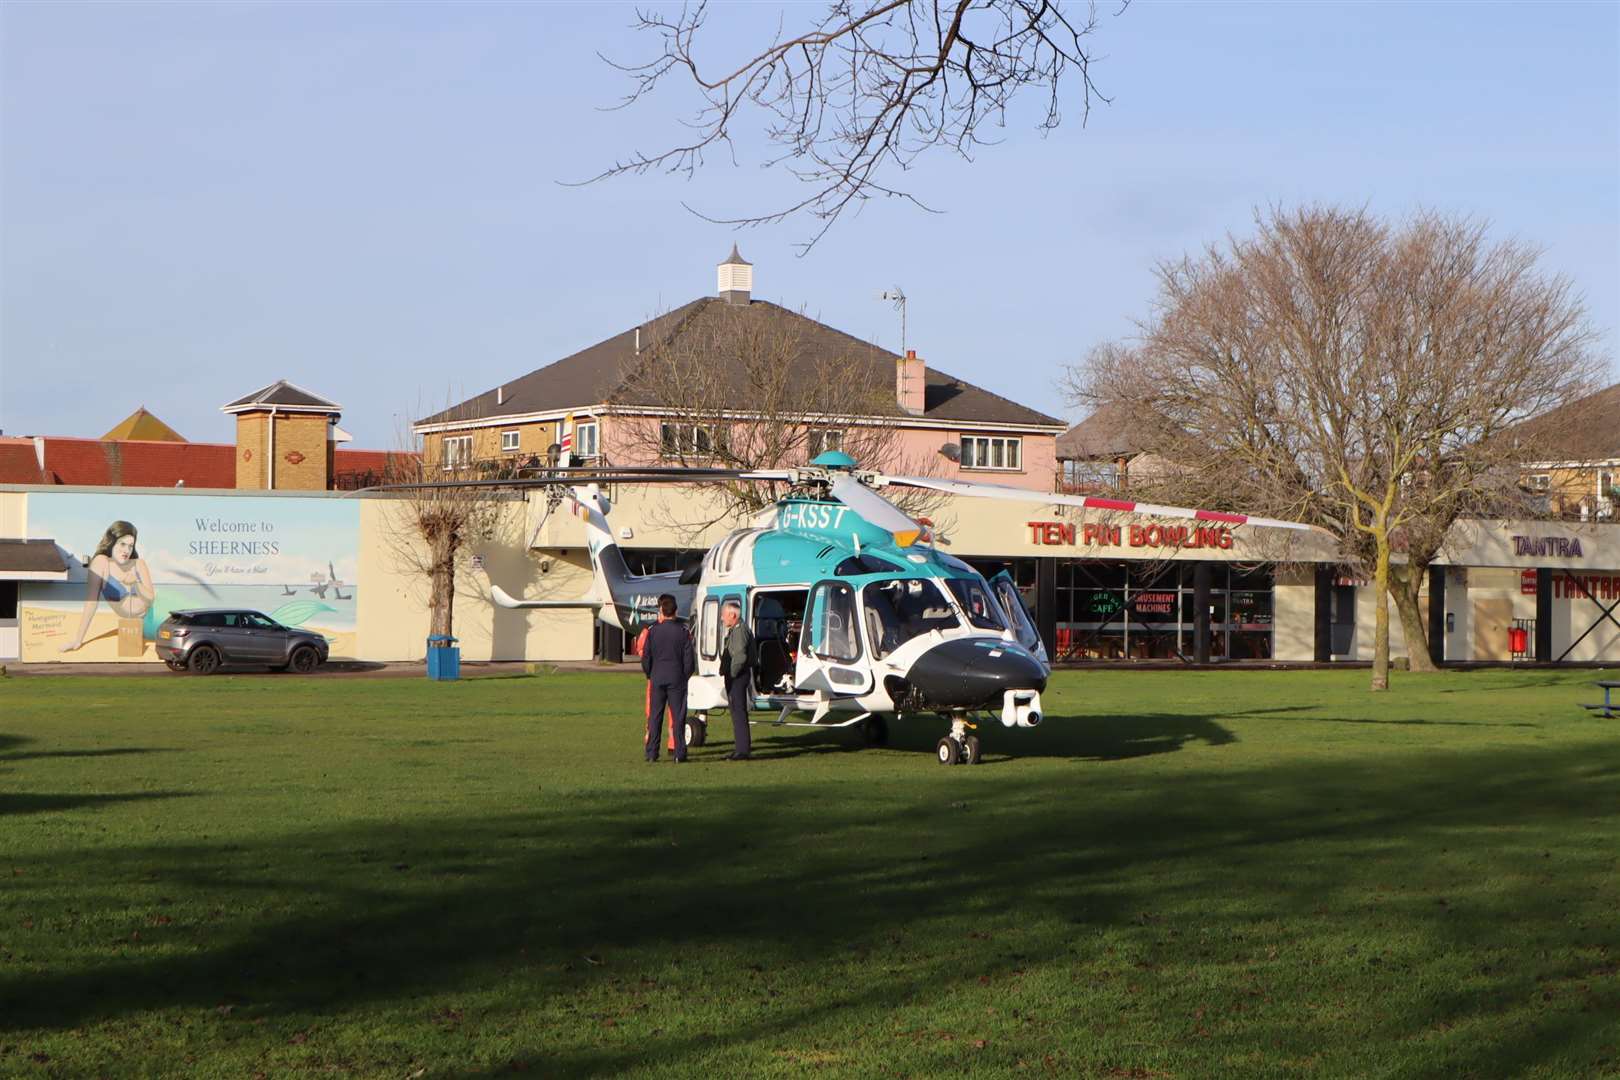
x=970, y=750
x=697, y=732
x=949, y=751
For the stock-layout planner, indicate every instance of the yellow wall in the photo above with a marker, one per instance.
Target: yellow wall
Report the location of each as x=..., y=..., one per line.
x=302, y=451
x=13, y=513
x=394, y=616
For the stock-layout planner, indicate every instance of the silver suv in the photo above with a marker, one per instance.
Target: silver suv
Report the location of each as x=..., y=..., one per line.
x=201, y=640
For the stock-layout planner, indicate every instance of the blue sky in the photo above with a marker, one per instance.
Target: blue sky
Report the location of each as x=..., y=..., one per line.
x=196, y=200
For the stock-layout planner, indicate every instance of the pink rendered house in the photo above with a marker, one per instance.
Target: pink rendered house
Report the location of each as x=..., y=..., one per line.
x=618, y=400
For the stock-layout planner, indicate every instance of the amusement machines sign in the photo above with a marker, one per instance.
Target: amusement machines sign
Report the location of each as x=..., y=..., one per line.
x=1091, y=535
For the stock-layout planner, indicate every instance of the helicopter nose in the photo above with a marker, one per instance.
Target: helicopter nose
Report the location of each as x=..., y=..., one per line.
x=974, y=673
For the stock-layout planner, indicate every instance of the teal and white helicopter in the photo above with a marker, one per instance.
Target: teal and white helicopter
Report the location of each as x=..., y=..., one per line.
x=859, y=617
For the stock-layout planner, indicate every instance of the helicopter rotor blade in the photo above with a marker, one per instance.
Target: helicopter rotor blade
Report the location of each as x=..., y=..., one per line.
x=1089, y=502
x=877, y=510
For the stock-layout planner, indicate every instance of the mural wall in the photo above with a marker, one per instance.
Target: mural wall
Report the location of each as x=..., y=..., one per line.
x=134, y=558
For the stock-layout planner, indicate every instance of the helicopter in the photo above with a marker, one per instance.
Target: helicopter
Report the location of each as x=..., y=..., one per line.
x=858, y=615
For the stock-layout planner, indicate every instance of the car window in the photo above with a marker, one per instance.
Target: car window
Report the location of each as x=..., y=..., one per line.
x=209, y=618
x=257, y=621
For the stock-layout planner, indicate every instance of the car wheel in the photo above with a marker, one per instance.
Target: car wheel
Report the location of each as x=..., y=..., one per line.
x=304, y=660
x=204, y=660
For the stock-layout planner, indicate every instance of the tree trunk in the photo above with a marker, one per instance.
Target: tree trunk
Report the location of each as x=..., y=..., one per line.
x=442, y=597
x=1380, y=673
x=1403, y=587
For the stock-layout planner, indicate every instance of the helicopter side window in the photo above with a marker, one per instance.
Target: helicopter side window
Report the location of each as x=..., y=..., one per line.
x=833, y=633
x=980, y=607
x=709, y=638
x=901, y=609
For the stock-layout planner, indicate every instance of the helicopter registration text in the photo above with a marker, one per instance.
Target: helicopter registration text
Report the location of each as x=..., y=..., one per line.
x=810, y=516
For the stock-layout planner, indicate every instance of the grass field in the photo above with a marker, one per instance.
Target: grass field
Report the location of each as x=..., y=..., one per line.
x=1182, y=874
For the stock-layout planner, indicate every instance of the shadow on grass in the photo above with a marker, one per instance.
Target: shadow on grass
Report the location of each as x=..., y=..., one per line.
x=12, y=803
x=1075, y=738
x=787, y=877
x=116, y=751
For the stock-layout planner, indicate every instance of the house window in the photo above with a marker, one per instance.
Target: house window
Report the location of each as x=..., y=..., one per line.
x=509, y=441
x=686, y=440
x=585, y=440
x=821, y=440
x=457, y=451
x=1606, y=483
x=992, y=452
x=1540, y=482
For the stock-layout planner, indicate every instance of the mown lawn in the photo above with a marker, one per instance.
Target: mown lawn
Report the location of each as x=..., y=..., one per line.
x=1181, y=874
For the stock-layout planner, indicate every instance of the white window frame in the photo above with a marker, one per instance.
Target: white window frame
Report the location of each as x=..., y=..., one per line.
x=511, y=441
x=691, y=440
x=587, y=440
x=1540, y=481
x=457, y=453
x=981, y=452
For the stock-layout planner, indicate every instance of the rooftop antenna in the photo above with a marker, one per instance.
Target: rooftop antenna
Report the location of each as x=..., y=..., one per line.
x=898, y=297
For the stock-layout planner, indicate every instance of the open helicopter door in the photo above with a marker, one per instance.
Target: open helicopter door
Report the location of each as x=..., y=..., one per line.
x=707, y=687
x=1019, y=617
x=831, y=662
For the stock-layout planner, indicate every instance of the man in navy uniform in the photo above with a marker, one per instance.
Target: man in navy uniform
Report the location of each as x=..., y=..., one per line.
x=737, y=665
x=668, y=661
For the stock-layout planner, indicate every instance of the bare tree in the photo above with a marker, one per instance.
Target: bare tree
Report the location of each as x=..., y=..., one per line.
x=431, y=531
x=744, y=387
x=1361, y=376
x=867, y=88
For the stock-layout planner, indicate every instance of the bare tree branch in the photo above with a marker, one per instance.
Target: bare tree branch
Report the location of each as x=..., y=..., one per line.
x=865, y=90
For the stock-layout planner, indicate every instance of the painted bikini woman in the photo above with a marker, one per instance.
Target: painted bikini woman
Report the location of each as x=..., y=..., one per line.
x=119, y=576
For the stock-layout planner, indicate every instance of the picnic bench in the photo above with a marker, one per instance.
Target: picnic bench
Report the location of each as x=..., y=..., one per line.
x=1608, y=706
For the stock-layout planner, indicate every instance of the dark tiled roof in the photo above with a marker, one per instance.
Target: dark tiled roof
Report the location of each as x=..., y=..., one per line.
x=282, y=392
x=736, y=259
x=595, y=375
x=30, y=557
x=1584, y=430
x=1104, y=435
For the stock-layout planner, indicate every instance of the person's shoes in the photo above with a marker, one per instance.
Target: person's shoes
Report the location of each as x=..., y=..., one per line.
x=734, y=756
x=652, y=761
x=678, y=761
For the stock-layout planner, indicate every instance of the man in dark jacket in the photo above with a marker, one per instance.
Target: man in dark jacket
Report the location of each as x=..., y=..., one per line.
x=737, y=665
x=667, y=661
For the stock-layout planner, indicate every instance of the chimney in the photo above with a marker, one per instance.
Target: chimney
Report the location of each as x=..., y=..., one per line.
x=736, y=279
x=910, y=375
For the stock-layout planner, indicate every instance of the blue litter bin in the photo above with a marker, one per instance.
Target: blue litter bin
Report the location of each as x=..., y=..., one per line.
x=443, y=658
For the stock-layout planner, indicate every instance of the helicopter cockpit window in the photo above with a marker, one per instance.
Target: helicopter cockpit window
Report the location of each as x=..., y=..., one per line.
x=833, y=634
x=899, y=610
x=1013, y=605
x=981, y=608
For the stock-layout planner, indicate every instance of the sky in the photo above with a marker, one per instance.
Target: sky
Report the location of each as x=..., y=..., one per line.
x=370, y=200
